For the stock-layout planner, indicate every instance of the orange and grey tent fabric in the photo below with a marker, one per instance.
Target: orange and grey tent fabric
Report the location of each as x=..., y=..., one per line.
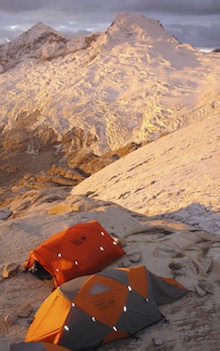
x=93, y=310
x=38, y=346
x=83, y=249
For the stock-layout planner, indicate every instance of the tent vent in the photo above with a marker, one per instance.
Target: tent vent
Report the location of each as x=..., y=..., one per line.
x=98, y=288
x=114, y=328
x=67, y=328
x=103, y=234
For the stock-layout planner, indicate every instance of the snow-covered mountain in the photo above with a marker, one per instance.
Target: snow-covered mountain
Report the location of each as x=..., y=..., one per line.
x=131, y=83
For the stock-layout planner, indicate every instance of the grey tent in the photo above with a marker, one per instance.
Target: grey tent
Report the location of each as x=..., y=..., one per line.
x=38, y=346
x=93, y=310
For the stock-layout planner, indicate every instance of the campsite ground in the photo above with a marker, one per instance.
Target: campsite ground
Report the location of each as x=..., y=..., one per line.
x=163, y=246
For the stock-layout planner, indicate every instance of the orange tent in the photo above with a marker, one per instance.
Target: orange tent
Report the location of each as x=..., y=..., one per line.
x=116, y=303
x=85, y=248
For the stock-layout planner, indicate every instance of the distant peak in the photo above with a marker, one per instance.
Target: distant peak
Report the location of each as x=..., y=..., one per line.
x=129, y=19
x=39, y=24
x=137, y=24
x=40, y=27
x=126, y=16
x=37, y=32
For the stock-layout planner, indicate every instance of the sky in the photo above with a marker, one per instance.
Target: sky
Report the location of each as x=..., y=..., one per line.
x=196, y=22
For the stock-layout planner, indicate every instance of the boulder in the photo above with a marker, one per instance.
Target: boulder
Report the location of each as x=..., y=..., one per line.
x=5, y=213
x=10, y=269
x=11, y=318
x=24, y=311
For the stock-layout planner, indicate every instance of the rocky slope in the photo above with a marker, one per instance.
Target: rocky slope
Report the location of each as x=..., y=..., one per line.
x=175, y=177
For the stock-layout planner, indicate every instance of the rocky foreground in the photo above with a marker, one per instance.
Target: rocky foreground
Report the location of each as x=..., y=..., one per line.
x=166, y=248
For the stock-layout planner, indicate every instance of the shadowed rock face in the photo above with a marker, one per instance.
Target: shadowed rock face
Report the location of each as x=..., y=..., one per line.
x=36, y=151
x=32, y=160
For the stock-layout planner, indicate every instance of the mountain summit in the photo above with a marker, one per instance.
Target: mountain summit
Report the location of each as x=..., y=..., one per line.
x=127, y=25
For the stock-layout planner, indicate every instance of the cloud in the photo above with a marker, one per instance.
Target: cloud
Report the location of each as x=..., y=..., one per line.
x=86, y=7
x=168, y=7
x=198, y=35
x=192, y=21
x=19, y=6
